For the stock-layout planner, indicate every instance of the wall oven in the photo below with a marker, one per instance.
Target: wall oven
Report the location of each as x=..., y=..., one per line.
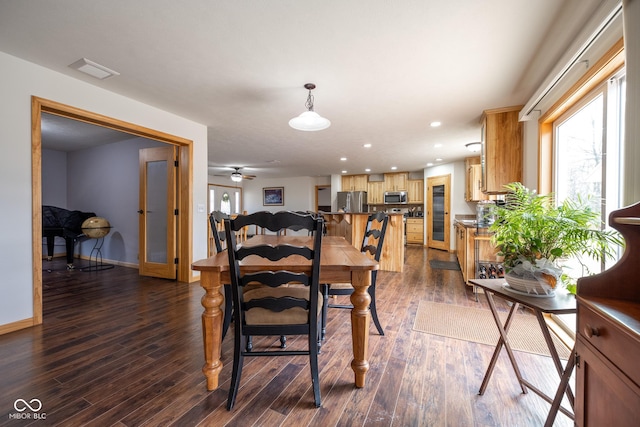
x=395, y=197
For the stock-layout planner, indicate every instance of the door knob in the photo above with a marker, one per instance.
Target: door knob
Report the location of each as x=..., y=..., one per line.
x=140, y=211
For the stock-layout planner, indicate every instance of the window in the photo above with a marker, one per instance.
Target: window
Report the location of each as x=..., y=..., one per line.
x=587, y=142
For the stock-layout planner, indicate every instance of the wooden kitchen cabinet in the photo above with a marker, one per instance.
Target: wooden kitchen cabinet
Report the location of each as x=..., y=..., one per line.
x=608, y=335
x=375, y=192
x=415, y=192
x=501, y=159
x=396, y=181
x=466, y=250
x=355, y=182
x=461, y=248
x=415, y=230
x=473, y=192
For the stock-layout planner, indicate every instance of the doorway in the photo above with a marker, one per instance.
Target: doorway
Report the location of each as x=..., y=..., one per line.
x=184, y=149
x=438, y=206
x=323, y=198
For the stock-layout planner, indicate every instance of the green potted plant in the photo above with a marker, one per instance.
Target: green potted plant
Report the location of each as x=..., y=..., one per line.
x=534, y=235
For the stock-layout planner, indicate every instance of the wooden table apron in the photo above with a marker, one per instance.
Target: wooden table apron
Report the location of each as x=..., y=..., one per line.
x=340, y=263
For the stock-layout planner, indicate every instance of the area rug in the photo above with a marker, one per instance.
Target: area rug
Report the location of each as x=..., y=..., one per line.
x=477, y=325
x=444, y=265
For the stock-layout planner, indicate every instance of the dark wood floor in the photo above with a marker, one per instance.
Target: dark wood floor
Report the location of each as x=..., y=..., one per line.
x=117, y=349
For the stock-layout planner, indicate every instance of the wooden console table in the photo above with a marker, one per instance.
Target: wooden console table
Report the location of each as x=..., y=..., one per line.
x=559, y=304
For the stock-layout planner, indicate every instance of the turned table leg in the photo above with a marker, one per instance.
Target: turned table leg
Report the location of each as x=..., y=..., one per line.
x=211, y=326
x=360, y=316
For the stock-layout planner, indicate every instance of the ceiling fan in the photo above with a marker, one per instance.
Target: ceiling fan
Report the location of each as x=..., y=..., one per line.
x=236, y=176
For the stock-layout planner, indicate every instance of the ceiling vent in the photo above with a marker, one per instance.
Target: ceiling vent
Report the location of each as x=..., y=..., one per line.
x=93, y=69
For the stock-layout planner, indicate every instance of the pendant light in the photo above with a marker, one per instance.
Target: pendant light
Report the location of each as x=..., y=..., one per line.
x=309, y=120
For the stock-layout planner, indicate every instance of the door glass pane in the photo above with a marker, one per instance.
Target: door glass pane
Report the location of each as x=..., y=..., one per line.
x=437, y=205
x=156, y=214
x=225, y=204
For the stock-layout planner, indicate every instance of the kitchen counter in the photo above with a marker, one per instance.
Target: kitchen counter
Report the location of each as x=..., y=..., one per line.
x=351, y=225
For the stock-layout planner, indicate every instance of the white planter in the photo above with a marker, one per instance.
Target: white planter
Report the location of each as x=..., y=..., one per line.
x=529, y=285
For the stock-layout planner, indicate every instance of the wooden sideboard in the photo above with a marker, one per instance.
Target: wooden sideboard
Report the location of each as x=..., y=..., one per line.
x=351, y=226
x=608, y=335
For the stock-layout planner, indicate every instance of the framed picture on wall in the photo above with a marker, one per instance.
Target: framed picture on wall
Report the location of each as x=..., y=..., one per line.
x=273, y=196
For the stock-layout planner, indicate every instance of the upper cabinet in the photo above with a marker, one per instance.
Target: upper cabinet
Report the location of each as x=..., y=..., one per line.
x=501, y=160
x=415, y=193
x=473, y=191
x=375, y=193
x=354, y=183
x=396, y=181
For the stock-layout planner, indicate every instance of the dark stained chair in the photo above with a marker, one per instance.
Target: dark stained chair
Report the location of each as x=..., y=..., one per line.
x=216, y=219
x=372, y=242
x=284, y=303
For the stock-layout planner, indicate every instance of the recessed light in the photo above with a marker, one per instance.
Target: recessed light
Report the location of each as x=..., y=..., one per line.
x=429, y=164
x=438, y=160
x=437, y=145
x=435, y=124
x=344, y=171
x=367, y=170
x=93, y=69
x=344, y=159
x=394, y=168
x=367, y=145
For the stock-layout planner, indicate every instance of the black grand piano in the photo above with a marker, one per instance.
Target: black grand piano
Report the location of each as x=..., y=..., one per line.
x=59, y=222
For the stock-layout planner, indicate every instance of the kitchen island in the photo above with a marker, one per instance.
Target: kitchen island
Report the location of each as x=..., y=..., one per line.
x=351, y=225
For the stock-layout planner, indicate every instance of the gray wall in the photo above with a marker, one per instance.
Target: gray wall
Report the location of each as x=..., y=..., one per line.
x=104, y=180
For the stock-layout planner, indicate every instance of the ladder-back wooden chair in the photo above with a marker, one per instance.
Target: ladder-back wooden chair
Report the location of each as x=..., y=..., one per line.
x=283, y=302
x=372, y=241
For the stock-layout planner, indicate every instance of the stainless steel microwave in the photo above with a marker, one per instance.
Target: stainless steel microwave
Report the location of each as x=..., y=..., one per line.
x=395, y=197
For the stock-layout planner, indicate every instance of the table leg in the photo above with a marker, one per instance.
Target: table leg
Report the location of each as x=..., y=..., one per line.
x=360, y=317
x=502, y=341
x=554, y=353
x=562, y=388
x=211, y=326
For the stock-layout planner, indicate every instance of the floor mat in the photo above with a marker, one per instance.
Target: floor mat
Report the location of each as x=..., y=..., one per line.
x=444, y=265
x=477, y=325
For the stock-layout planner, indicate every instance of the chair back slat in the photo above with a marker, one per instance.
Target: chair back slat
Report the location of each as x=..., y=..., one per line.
x=275, y=253
x=275, y=278
x=277, y=305
x=374, y=233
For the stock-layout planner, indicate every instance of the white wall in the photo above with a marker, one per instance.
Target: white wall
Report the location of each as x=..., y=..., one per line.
x=19, y=81
x=105, y=180
x=299, y=193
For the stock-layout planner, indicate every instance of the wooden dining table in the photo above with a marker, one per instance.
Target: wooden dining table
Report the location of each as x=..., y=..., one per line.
x=340, y=262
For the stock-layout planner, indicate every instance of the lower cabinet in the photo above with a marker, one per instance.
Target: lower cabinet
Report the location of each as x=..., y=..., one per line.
x=607, y=373
x=466, y=253
x=415, y=230
x=461, y=249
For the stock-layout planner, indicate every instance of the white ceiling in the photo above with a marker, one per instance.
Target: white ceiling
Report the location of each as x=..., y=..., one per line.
x=384, y=69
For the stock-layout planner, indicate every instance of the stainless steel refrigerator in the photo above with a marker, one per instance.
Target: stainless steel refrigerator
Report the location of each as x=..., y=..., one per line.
x=352, y=201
